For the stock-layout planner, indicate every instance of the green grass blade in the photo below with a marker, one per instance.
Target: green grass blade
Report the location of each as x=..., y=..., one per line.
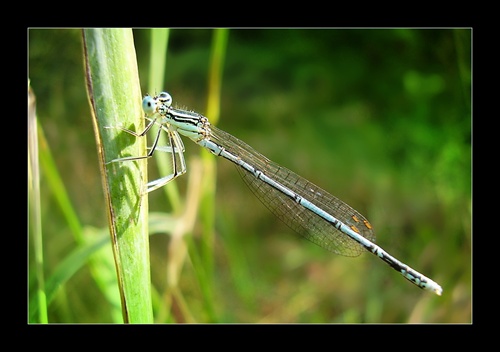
x=158, y=59
x=66, y=269
x=218, y=53
x=115, y=99
x=56, y=185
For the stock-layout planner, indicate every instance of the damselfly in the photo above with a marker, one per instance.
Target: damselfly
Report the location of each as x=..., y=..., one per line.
x=306, y=208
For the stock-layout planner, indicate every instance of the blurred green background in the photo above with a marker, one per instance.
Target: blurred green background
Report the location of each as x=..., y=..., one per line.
x=381, y=118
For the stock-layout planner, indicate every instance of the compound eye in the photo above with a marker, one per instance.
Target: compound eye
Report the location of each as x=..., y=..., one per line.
x=164, y=98
x=149, y=105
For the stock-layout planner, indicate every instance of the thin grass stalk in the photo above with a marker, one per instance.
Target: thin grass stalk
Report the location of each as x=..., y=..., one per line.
x=35, y=211
x=207, y=212
x=156, y=84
